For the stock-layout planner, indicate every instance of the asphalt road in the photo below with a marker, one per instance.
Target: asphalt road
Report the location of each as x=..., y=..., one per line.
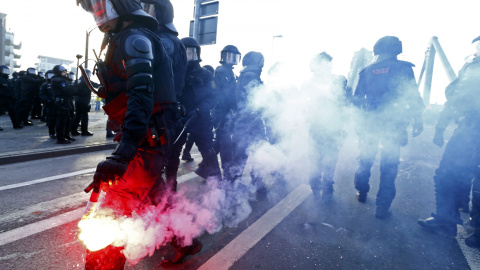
x=42, y=201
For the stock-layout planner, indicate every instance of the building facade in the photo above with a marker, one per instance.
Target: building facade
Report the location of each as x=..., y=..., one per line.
x=8, y=49
x=46, y=63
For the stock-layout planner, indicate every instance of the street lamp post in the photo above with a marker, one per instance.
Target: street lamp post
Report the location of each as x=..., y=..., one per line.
x=78, y=62
x=86, y=44
x=273, y=43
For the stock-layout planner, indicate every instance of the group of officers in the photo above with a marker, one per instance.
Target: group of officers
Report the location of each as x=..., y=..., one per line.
x=54, y=97
x=158, y=97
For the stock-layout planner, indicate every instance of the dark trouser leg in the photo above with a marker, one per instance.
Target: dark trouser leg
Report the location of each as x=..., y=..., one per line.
x=368, y=151
x=51, y=118
x=77, y=118
x=390, y=156
x=224, y=139
x=189, y=143
x=209, y=165
x=173, y=160
x=84, y=118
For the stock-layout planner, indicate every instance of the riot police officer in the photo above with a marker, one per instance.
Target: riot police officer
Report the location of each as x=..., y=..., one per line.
x=140, y=97
x=388, y=99
x=30, y=85
x=460, y=159
x=225, y=83
x=328, y=97
x=47, y=98
x=249, y=126
x=198, y=99
x=83, y=95
x=63, y=91
x=7, y=96
x=162, y=10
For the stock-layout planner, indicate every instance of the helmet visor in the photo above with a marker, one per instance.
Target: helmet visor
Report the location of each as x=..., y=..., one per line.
x=5, y=70
x=231, y=58
x=192, y=54
x=102, y=10
x=32, y=71
x=49, y=75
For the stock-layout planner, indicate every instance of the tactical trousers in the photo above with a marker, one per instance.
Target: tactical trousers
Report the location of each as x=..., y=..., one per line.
x=81, y=114
x=389, y=160
x=453, y=177
x=62, y=121
x=224, y=146
x=325, y=155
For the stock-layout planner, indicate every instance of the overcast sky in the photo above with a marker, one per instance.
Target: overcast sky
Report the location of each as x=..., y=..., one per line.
x=57, y=28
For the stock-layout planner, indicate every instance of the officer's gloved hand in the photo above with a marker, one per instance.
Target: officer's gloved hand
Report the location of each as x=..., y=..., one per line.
x=438, y=137
x=417, y=127
x=110, y=171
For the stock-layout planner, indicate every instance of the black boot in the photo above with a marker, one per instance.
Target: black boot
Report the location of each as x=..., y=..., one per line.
x=87, y=133
x=436, y=225
x=27, y=123
x=75, y=132
x=382, y=212
x=110, y=134
x=63, y=141
x=472, y=241
x=181, y=252
x=186, y=156
x=362, y=196
x=70, y=138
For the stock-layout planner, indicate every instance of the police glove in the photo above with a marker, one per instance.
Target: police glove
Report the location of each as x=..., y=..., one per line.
x=417, y=127
x=438, y=137
x=110, y=171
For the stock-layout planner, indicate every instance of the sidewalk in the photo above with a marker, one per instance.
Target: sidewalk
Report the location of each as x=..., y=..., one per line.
x=33, y=142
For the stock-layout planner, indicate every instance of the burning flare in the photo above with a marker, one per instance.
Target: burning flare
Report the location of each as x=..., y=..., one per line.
x=98, y=231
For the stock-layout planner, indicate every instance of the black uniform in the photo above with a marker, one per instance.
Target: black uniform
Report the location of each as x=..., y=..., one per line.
x=47, y=97
x=458, y=166
x=30, y=85
x=198, y=99
x=225, y=83
x=63, y=91
x=328, y=98
x=176, y=52
x=7, y=99
x=83, y=95
x=249, y=126
x=388, y=98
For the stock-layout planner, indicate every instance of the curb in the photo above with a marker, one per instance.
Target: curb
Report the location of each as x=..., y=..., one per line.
x=22, y=156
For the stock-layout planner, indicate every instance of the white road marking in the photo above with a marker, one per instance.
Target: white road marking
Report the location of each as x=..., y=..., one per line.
x=226, y=257
x=47, y=179
x=40, y=226
x=472, y=255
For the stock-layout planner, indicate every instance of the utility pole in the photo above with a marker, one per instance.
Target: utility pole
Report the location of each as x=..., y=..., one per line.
x=196, y=20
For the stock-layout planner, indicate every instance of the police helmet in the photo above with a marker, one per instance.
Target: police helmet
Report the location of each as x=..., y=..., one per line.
x=193, y=49
x=49, y=74
x=59, y=70
x=388, y=44
x=162, y=10
x=22, y=73
x=41, y=74
x=4, y=70
x=71, y=75
x=230, y=55
x=15, y=74
x=253, y=59
x=31, y=71
x=319, y=61
x=107, y=10
x=88, y=72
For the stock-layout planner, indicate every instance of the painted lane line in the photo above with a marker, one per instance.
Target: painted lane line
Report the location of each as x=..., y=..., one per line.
x=47, y=179
x=226, y=257
x=472, y=255
x=40, y=226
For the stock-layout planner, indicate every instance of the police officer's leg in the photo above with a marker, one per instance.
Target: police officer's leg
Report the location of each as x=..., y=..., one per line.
x=60, y=123
x=173, y=161
x=474, y=239
x=188, y=147
x=329, y=157
x=368, y=150
x=209, y=165
x=225, y=149
x=389, y=160
x=51, y=119
x=446, y=187
x=84, y=119
x=76, y=120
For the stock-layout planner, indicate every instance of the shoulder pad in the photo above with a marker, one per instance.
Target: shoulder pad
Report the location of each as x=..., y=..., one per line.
x=138, y=46
x=168, y=45
x=406, y=63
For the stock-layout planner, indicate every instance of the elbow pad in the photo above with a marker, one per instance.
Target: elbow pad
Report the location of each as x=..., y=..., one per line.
x=139, y=69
